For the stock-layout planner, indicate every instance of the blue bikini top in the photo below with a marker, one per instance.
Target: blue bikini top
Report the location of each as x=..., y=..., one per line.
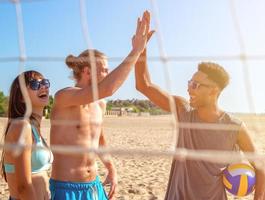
x=41, y=159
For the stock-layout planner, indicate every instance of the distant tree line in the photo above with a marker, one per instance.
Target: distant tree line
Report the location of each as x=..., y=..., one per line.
x=3, y=104
x=136, y=105
x=133, y=105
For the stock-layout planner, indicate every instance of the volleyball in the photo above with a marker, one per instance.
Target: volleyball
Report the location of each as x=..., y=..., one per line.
x=239, y=179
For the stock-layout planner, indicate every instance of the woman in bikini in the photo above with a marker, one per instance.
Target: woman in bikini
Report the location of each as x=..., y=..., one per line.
x=26, y=172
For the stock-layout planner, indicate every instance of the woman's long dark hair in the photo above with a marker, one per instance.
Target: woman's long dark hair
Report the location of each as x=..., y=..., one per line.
x=17, y=106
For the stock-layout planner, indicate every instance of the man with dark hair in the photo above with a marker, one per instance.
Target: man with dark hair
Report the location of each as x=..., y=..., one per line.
x=215, y=73
x=195, y=179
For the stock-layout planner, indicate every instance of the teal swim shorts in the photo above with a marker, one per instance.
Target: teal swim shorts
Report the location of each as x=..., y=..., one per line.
x=62, y=190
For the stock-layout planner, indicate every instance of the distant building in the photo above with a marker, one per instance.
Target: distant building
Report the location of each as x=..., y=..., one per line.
x=125, y=111
x=117, y=111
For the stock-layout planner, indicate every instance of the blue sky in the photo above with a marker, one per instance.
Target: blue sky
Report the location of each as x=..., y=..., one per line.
x=52, y=28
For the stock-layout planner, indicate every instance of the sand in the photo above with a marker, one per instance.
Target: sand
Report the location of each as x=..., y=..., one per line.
x=143, y=177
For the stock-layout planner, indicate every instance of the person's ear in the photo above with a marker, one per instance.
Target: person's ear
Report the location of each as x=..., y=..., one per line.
x=87, y=71
x=215, y=91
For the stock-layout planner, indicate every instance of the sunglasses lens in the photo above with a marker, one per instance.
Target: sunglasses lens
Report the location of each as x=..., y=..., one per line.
x=34, y=85
x=46, y=83
x=194, y=85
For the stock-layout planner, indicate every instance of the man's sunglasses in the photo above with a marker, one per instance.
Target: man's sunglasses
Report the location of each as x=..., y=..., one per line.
x=36, y=84
x=104, y=70
x=195, y=85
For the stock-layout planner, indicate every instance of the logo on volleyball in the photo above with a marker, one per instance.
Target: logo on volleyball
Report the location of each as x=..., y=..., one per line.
x=239, y=179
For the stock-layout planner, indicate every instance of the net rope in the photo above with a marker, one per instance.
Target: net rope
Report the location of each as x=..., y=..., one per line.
x=205, y=155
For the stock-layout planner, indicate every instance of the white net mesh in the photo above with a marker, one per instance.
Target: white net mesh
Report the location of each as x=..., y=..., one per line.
x=169, y=123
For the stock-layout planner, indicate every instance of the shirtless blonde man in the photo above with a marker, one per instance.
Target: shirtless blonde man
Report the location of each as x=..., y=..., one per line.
x=75, y=176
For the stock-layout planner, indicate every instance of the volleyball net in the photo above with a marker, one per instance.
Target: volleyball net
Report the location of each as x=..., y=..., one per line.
x=180, y=153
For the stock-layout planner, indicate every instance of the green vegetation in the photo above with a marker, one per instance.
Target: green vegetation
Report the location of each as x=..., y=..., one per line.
x=3, y=105
x=47, y=109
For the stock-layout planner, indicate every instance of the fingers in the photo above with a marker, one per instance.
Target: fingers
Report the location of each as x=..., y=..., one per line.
x=142, y=24
x=111, y=182
x=112, y=191
x=149, y=35
x=143, y=33
x=145, y=23
x=143, y=54
x=147, y=19
x=141, y=28
x=112, y=185
x=138, y=25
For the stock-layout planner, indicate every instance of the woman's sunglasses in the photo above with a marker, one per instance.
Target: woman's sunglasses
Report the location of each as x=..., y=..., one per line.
x=36, y=84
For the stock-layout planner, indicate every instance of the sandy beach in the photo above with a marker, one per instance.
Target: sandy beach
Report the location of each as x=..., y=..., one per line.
x=143, y=177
